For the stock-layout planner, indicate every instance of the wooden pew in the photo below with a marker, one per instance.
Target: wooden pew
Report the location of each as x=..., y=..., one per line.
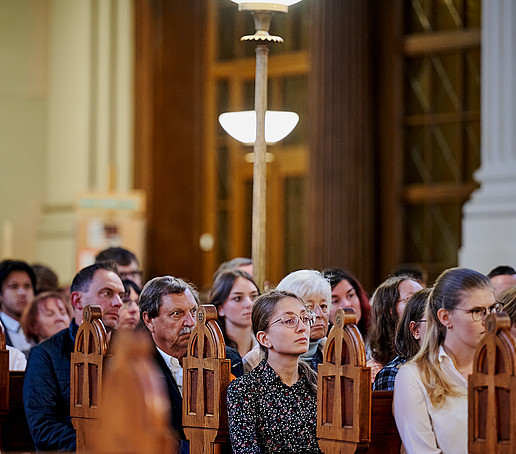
x=87, y=361
x=362, y=420
x=14, y=431
x=492, y=390
x=134, y=417
x=344, y=389
x=206, y=376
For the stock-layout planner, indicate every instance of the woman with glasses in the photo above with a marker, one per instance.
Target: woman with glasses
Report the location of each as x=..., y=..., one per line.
x=410, y=331
x=387, y=305
x=233, y=294
x=431, y=391
x=129, y=313
x=315, y=290
x=273, y=408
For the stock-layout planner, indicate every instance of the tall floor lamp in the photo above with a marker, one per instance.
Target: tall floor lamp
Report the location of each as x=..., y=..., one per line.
x=262, y=12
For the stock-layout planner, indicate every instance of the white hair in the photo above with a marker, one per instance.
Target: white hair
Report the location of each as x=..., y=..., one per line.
x=306, y=284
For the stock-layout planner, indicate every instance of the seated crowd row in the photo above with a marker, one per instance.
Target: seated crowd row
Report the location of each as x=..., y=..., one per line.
x=275, y=342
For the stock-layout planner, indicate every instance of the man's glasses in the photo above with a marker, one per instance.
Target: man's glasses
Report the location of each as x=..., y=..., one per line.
x=478, y=313
x=292, y=320
x=130, y=274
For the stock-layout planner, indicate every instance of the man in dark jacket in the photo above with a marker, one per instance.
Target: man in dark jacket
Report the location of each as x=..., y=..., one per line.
x=168, y=307
x=46, y=389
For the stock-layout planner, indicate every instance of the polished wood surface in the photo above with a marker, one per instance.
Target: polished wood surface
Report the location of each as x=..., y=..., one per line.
x=206, y=376
x=344, y=389
x=492, y=390
x=87, y=362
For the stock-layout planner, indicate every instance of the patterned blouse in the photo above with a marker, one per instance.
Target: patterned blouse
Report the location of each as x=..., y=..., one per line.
x=265, y=415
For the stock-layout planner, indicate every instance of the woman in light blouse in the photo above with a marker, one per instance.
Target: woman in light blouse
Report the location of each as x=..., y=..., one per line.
x=431, y=391
x=273, y=408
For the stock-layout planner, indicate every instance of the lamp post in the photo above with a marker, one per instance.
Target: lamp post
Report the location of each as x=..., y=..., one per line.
x=262, y=12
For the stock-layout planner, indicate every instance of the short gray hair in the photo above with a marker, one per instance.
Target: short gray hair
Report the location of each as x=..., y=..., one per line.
x=306, y=283
x=155, y=289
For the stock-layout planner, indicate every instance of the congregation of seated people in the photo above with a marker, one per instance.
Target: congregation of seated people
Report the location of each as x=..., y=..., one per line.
x=420, y=343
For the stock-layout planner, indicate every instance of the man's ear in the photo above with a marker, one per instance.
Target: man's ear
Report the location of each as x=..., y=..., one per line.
x=263, y=338
x=414, y=330
x=148, y=321
x=76, y=300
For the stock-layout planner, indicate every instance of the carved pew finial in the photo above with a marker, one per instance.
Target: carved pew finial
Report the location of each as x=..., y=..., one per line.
x=134, y=417
x=206, y=377
x=91, y=345
x=344, y=389
x=492, y=390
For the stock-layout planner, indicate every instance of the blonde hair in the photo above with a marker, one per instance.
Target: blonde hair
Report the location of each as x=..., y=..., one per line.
x=448, y=292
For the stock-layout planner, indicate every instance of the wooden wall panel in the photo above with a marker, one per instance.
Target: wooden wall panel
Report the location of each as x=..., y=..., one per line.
x=168, y=133
x=341, y=185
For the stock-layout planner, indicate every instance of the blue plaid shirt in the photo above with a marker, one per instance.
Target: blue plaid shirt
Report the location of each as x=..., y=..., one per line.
x=384, y=380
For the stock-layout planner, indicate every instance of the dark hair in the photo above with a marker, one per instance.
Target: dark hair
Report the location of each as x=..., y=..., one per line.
x=220, y=292
x=82, y=280
x=128, y=285
x=502, y=270
x=119, y=255
x=411, y=270
x=29, y=318
x=384, y=319
x=263, y=310
x=335, y=276
x=9, y=266
x=404, y=342
x=231, y=265
x=46, y=278
x=154, y=290
x=508, y=299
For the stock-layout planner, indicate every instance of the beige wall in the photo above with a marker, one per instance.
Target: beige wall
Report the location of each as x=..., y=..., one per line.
x=65, y=119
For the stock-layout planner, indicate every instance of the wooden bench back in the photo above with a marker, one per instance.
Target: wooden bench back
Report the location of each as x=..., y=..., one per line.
x=344, y=389
x=4, y=375
x=91, y=345
x=206, y=376
x=492, y=390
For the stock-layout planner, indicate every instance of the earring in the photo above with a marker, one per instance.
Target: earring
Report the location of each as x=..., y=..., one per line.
x=450, y=326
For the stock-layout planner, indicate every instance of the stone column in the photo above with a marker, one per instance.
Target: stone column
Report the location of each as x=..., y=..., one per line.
x=489, y=225
x=89, y=116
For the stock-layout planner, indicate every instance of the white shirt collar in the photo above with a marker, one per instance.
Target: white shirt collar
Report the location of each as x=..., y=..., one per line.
x=10, y=323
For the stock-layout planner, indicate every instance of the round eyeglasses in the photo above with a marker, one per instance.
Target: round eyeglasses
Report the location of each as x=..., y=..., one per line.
x=292, y=320
x=478, y=313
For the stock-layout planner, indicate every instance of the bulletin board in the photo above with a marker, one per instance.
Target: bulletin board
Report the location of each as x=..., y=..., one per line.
x=107, y=220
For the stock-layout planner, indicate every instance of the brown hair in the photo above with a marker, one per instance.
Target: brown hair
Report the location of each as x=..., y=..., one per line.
x=29, y=318
x=384, y=319
x=263, y=310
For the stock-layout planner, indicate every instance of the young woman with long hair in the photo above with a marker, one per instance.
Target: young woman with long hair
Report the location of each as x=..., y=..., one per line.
x=431, y=391
x=273, y=408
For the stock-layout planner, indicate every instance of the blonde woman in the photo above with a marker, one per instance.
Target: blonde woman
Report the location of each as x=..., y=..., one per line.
x=430, y=391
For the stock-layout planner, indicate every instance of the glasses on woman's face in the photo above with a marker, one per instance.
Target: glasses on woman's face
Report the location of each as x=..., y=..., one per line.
x=292, y=320
x=478, y=313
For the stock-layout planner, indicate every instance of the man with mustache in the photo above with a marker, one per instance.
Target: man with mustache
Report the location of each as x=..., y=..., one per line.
x=17, y=283
x=168, y=307
x=46, y=389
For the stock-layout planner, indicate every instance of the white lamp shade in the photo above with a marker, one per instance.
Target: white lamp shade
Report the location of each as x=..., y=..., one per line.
x=277, y=2
x=242, y=125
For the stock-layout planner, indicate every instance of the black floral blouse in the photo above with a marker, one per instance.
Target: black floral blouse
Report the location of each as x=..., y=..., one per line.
x=265, y=415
